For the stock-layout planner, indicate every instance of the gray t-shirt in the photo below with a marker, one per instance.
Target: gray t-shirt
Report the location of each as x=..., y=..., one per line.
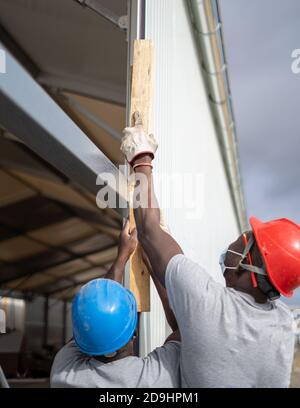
x=72, y=368
x=227, y=339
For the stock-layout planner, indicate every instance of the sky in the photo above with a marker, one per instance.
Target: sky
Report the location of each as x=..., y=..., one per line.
x=259, y=37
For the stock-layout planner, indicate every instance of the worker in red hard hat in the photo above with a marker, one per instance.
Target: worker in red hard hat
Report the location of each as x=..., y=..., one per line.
x=240, y=335
x=274, y=263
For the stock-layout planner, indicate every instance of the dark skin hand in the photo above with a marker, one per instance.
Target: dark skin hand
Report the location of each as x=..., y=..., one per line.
x=160, y=247
x=127, y=244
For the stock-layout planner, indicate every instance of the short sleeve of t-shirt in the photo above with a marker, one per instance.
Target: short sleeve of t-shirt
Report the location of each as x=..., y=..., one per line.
x=72, y=368
x=189, y=286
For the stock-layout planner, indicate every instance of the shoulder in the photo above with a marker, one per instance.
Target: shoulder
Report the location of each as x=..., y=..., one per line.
x=180, y=268
x=181, y=261
x=70, y=352
x=67, y=363
x=183, y=274
x=168, y=354
x=284, y=311
x=72, y=368
x=283, y=307
x=68, y=357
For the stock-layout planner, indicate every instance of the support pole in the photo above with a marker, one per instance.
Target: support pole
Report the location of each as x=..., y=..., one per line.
x=46, y=322
x=64, y=328
x=141, y=101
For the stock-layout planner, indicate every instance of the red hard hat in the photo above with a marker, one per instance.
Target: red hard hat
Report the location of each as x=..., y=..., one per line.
x=279, y=244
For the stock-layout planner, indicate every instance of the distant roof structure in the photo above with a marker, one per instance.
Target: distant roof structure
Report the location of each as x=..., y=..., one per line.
x=53, y=237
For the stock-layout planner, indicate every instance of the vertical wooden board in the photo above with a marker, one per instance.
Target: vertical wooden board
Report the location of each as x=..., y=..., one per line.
x=139, y=276
x=142, y=81
x=141, y=101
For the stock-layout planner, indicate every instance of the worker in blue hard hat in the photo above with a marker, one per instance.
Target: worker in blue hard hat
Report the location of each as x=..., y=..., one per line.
x=101, y=353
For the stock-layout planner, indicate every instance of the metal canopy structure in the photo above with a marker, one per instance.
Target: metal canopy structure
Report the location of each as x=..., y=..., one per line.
x=66, y=46
x=30, y=114
x=96, y=5
x=52, y=236
x=62, y=111
x=78, y=58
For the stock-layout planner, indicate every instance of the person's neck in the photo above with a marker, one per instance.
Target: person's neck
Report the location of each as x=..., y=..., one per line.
x=118, y=356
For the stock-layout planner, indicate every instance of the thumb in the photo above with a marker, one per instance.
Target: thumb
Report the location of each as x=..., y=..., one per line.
x=126, y=227
x=137, y=119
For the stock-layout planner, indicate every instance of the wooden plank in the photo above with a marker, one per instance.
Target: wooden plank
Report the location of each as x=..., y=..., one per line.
x=141, y=101
x=139, y=276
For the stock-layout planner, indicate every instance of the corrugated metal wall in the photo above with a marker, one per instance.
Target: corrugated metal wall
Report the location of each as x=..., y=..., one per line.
x=188, y=152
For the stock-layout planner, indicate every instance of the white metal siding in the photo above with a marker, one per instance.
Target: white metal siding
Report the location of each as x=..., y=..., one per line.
x=187, y=144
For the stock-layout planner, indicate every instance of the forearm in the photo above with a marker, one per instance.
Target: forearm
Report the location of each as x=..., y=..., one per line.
x=146, y=210
x=158, y=245
x=171, y=319
x=147, y=214
x=116, y=271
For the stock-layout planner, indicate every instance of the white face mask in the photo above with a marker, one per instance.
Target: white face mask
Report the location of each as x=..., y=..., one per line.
x=250, y=268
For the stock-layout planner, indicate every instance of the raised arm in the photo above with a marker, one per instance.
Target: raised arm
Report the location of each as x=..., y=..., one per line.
x=159, y=246
x=127, y=244
x=171, y=319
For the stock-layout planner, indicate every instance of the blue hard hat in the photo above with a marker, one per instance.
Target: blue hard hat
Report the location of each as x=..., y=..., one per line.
x=104, y=315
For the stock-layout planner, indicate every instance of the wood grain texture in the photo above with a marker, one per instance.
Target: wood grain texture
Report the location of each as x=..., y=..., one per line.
x=141, y=100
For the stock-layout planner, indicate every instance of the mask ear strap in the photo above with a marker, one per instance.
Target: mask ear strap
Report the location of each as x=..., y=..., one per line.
x=248, y=246
x=244, y=254
x=255, y=269
x=251, y=268
x=234, y=252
